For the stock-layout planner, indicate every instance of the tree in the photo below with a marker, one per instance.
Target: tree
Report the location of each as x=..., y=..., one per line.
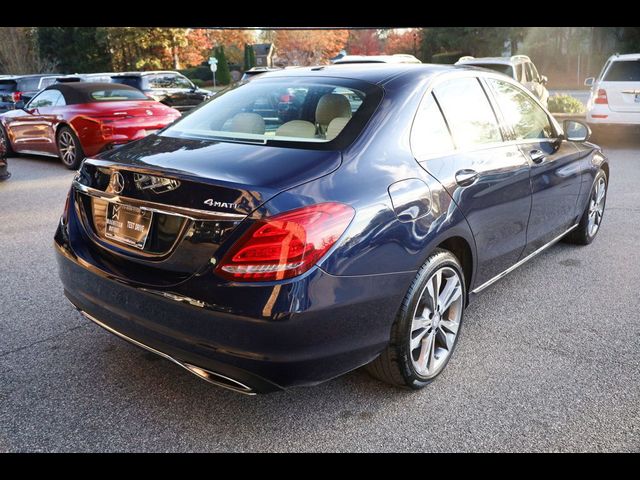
x=363, y=42
x=75, y=49
x=407, y=41
x=249, y=57
x=19, y=52
x=308, y=47
x=223, y=76
x=233, y=42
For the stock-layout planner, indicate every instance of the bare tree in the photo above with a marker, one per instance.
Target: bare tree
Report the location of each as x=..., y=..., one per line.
x=19, y=52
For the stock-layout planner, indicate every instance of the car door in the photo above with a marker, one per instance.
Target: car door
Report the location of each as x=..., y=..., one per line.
x=556, y=165
x=33, y=131
x=456, y=137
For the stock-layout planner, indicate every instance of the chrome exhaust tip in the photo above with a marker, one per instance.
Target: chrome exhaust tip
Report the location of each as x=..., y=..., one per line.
x=211, y=377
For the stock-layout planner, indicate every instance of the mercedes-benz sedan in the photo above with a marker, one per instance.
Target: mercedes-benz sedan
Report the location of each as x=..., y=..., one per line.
x=262, y=252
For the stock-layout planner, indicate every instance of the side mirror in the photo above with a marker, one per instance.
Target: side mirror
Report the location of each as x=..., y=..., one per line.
x=576, y=131
x=589, y=81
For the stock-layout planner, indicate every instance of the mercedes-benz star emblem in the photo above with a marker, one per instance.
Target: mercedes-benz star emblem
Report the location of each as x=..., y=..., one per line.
x=117, y=182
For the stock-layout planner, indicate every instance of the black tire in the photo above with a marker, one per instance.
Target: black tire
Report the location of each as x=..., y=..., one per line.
x=8, y=151
x=583, y=234
x=395, y=365
x=69, y=148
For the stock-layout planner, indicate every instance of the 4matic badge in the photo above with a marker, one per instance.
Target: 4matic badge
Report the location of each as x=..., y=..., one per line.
x=215, y=204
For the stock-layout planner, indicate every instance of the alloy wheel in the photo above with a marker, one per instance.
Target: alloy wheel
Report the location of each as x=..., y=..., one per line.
x=67, y=147
x=436, y=322
x=596, y=206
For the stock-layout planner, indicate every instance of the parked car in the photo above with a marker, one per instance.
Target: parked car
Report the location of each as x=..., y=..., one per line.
x=4, y=169
x=261, y=256
x=396, y=58
x=518, y=67
x=171, y=88
x=255, y=71
x=17, y=90
x=615, y=94
x=71, y=120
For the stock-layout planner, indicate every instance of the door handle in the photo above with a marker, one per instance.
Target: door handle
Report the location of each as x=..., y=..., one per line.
x=537, y=156
x=466, y=177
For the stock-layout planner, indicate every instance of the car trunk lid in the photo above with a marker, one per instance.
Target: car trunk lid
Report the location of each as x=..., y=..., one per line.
x=178, y=200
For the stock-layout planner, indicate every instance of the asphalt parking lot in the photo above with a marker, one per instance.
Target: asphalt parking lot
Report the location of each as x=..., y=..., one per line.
x=549, y=358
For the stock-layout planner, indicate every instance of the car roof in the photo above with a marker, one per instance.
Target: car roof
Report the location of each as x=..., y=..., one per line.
x=627, y=56
x=141, y=74
x=377, y=73
x=79, y=92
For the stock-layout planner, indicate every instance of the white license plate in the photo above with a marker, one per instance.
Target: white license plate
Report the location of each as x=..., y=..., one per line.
x=127, y=224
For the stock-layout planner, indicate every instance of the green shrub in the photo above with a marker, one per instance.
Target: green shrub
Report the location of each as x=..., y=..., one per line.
x=198, y=73
x=565, y=104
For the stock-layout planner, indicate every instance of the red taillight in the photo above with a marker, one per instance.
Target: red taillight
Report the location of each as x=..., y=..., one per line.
x=16, y=96
x=601, y=97
x=287, y=244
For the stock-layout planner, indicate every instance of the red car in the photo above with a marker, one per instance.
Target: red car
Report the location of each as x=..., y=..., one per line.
x=74, y=120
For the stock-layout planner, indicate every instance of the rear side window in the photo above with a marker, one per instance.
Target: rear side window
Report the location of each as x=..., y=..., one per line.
x=623, y=71
x=468, y=113
x=430, y=135
x=527, y=119
x=168, y=81
x=7, y=85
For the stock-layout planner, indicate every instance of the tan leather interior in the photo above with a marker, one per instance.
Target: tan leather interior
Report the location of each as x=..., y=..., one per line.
x=330, y=106
x=247, y=123
x=336, y=126
x=297, y=128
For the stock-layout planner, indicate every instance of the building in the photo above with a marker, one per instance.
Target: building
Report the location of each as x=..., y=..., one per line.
x=264, y=54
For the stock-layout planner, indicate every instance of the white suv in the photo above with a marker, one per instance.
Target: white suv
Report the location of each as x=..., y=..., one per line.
x=615, y=94
x=518, y=67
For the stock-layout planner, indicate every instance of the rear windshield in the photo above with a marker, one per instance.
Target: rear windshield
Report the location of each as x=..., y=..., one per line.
x=284, y=110
x=623, y=71
x=506, y=69
x=29, y=84
x=117, y=94
x=135, y=82
x=7, y=85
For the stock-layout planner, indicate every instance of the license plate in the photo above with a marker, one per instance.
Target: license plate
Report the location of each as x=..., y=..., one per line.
x=128, y=224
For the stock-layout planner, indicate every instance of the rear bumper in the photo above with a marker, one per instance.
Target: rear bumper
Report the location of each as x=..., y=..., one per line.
x=309, y=330
x=603, y=115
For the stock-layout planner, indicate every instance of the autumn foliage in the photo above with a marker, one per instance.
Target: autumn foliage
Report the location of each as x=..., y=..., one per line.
x=308, y=47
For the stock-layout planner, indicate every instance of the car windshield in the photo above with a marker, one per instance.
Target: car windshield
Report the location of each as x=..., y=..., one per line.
x=284, y=109
x=623, y=71
x=498, y=67
x=117, y=94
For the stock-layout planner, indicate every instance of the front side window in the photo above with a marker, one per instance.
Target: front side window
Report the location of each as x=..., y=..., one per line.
x=623, y=71
x=295, y=109
x=468, y=112
x=430, y=134
x=48, y=98
x=168, y=81
x=527, y=119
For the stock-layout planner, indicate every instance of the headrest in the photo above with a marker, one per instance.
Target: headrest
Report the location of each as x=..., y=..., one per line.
x=330, y=106
x=297, y=128
x=335, y=127
x=247, y=123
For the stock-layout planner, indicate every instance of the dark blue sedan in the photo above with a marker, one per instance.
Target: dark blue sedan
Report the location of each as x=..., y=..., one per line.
x=263, y=247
